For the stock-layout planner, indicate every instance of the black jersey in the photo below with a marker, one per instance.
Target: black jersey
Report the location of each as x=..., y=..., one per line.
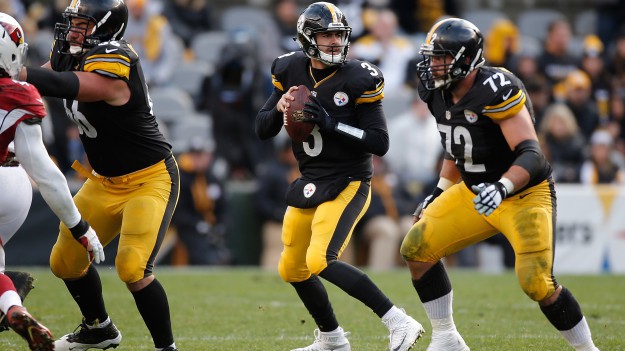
x=326, y=155
x=118, y=139
x=468, y=132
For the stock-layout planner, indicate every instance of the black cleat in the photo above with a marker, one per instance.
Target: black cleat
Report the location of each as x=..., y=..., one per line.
x=84, y=338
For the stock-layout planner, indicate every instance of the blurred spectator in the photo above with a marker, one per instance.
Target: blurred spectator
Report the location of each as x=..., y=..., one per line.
x=151, y=36
x=286, y=13
x=274, y=178
x=200, y=215
x=418, y=16
x=501, y=44
x=602, y=167
x=593, y=63
x=525, y=66
x=539, y=94
x=555, y=62
x=232, y=96
x=189, y=18
x=617, y=119
x=578, y=97
x=386, y=48
x=378, y=234
x=562, y=142
x=414, y=146
x=609, y=19
x=617, y=60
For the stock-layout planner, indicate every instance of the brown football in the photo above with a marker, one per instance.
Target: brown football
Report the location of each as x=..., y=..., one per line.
x=294, y=123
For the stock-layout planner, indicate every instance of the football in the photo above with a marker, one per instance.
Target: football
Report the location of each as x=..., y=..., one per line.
x=294, y=123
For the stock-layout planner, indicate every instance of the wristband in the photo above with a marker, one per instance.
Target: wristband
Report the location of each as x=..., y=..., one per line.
x=507, y=183
x=444, y=184
x=79, y=229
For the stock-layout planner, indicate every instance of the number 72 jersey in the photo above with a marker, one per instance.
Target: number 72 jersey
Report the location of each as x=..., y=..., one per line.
x=468, y=129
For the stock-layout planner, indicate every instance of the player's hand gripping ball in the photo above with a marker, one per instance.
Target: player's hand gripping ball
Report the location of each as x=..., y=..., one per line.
x=294, y=121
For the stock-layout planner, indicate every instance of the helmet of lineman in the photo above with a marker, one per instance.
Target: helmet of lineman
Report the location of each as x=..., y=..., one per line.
x=106, y=21
x=12, y=46
x=317, y=18
x=457, y=45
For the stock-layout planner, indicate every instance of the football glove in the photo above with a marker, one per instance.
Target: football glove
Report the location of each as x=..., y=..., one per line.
x=418, y=213
x=87, y=237
x=314, y=112
x=489, y=197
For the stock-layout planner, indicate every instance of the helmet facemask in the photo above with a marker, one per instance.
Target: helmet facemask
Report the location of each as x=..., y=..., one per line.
x=456, y=55
x=316, y=19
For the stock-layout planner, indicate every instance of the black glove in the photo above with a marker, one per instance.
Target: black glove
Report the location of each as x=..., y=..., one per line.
x=314, y=112
x=489, y=197
x=426, y=202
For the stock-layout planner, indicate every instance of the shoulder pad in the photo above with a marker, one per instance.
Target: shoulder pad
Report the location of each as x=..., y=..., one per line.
x=366, y=81
x=280, y=67
x=22, y=96
x=112, y=59
x=508, y=94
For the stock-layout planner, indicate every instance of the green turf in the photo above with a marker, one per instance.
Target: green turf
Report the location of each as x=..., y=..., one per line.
x=249, y=309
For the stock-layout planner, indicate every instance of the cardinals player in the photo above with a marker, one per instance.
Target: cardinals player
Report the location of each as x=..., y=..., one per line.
x=23, y=154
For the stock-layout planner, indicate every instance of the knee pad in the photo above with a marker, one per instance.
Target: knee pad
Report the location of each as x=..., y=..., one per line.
x=130, y=265
x=411, y=245
x=68, y=259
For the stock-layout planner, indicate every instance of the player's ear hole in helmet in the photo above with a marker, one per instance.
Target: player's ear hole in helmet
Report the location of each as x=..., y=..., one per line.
x=452, y=49
x=318, y=18
x=99, y=21
x=12, y=47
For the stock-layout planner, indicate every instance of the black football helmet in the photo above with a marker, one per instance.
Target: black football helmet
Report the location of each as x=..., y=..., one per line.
x=454, y=37
x=322, y=17
x=109, y=19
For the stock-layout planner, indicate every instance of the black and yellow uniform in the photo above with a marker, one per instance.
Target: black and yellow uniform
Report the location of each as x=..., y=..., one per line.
x=334, y=190
x=134, y=185
x=476, y=143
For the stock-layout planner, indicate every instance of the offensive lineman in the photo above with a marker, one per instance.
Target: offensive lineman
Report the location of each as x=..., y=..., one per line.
x=133, y=189
x=494, y=179
x=335, y=161
x=23, y=154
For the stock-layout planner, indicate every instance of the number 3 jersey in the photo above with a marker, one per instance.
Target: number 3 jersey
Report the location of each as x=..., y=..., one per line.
x=326, y=155
x=468, y=130
x=118, y=139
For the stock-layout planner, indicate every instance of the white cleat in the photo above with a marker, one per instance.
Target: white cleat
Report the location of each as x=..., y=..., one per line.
x=447, y=341
x=404, y=332
x=329, y=341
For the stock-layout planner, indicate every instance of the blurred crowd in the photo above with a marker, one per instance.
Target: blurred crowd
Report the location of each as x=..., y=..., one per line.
x=208, y=67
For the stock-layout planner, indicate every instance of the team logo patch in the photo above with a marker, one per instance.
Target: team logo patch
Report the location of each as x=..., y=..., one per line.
x=470, y=116
x=309, y=190
x=341, y=99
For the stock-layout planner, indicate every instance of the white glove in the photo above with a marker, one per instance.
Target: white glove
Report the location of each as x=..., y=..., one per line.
x=489, y=197
x=89, y=240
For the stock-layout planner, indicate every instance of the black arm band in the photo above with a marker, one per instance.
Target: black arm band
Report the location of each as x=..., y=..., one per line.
x=55, y=84
x=530, y=157
x=79, y=229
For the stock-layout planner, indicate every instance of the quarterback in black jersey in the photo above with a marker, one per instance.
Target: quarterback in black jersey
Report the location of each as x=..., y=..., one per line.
x=334, y=192
x=133, y=188
x=494, y=179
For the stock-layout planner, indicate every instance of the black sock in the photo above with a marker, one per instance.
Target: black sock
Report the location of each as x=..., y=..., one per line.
x=154, y=309
x=87, y=292
x=315, y=297
x=565, y=312
x=358, y=285
x=433, y=284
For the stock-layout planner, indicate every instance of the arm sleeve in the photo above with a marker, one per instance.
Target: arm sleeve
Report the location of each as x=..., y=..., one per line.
x=269, y=119
x=32, y=154
x=371, y=119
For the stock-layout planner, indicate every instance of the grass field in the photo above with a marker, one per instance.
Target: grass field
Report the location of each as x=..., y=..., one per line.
x=248, y=309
